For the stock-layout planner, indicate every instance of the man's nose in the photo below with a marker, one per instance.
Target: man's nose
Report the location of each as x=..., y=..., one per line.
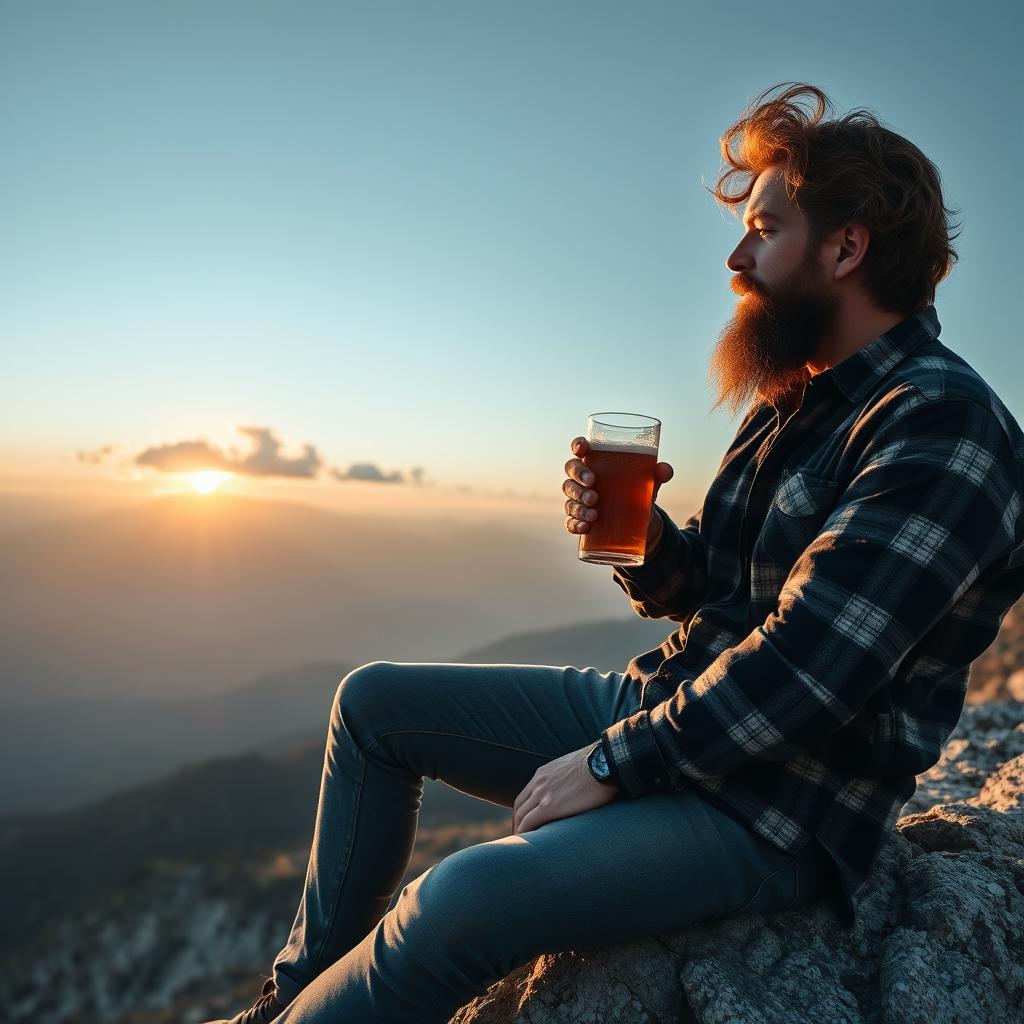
x=738, y=260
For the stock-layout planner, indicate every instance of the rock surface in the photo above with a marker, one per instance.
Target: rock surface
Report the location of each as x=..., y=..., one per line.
x=939, y=936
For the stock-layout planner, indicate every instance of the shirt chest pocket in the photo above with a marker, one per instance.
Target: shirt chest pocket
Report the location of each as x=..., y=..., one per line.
x=800, y=507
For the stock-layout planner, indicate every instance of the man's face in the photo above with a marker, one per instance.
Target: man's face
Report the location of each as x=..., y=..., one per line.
x=785, y=306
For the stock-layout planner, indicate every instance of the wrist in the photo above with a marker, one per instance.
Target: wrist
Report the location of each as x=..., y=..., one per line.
x=598, y=765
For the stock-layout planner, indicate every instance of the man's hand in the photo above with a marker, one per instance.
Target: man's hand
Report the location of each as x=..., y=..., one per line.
x=579, y=508
x=559, y=789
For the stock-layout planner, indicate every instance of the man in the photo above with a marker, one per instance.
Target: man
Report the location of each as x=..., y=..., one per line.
x=858, y=548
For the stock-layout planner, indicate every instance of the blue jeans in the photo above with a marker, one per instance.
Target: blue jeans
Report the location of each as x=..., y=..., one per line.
x=626, y=869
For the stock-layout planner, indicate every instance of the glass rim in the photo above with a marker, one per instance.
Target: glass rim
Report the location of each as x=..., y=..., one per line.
x=645, y=420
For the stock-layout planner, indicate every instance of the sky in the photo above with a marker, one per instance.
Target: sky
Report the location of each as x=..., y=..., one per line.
x=400, y=251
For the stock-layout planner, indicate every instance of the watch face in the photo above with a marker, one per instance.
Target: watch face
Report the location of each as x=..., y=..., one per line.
x=598, y=764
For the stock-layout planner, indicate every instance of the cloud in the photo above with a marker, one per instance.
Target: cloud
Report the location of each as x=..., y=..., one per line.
x=264, y=460
x=183, y=457
x=95, y=455
x=372, y=472
x=367, y=471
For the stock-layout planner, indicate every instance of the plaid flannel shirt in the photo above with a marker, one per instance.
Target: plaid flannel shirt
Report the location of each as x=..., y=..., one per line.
x=856, y=551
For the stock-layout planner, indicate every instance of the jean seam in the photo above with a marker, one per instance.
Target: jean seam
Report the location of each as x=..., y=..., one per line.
x=457, y=736
x=725, y=852
x=344, y=870
x=767, y=878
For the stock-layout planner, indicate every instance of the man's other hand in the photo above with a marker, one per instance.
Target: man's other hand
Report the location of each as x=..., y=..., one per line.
x=559, y=789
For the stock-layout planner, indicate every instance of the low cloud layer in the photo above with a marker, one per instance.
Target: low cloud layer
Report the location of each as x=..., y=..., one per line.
x=370, y=471
x=264, y=460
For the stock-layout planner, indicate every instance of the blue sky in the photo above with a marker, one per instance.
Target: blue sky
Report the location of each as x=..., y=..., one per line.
x=436, y=234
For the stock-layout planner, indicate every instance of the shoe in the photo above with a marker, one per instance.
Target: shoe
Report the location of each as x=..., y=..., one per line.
x=264, y=1010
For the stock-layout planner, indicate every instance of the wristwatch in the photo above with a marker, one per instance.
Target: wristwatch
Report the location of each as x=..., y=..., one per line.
x=598, y=765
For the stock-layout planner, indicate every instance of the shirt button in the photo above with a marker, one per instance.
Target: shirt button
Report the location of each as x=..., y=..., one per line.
x=657, y=780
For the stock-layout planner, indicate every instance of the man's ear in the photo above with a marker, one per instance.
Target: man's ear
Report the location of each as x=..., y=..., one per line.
x=851, y=244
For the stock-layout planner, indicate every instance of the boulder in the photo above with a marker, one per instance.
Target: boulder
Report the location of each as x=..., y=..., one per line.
x=939, y=936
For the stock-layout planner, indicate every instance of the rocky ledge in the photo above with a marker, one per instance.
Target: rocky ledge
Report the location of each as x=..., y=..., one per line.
x=939, y=936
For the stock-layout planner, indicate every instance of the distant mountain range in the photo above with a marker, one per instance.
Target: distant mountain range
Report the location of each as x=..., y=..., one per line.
x=60, y=753
x=242, y=806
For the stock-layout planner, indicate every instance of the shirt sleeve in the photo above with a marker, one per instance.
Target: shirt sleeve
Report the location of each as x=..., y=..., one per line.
x=933, y=502
x=673, y=580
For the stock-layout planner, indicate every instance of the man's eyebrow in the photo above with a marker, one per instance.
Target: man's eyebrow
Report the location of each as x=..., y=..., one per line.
x=763, y=212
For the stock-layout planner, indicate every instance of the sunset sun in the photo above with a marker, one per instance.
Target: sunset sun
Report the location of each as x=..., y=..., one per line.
x=205, y=481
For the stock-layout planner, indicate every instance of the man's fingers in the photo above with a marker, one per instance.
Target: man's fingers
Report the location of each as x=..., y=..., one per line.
x=522, y=799
x=531, y=818
x=536, y=816
x=577, y=470
x=530, y=801
x=576, y=487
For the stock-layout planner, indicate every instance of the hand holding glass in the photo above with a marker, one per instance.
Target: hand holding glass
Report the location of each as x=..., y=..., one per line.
x=618, y=463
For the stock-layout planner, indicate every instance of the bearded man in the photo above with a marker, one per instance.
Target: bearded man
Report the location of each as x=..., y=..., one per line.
x=856, y=551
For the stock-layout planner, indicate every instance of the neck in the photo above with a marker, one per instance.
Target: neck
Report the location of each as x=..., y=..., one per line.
x=856, y=325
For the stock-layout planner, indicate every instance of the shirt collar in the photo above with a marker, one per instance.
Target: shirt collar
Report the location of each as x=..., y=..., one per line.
x=859, y=373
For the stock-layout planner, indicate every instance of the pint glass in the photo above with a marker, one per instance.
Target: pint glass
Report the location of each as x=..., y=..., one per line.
x=623, y=454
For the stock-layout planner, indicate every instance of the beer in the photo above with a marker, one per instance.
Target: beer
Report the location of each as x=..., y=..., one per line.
x=624, y=482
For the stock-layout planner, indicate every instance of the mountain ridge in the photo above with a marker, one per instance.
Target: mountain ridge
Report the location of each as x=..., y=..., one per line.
x=56, y=754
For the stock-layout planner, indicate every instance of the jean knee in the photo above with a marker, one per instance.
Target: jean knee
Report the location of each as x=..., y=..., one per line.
x=356, y=697
x=447, y=923
x=467, y=898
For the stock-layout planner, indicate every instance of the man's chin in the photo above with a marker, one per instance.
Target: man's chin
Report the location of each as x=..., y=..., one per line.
x=742, y=369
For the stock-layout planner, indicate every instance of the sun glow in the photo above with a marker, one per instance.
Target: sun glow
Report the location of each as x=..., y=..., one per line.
x=205, y=481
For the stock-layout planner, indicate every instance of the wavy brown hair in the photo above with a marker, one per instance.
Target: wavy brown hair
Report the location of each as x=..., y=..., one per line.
x=851, y=169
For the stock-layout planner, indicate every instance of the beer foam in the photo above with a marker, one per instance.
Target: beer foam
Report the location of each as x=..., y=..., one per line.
x=626, y=449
